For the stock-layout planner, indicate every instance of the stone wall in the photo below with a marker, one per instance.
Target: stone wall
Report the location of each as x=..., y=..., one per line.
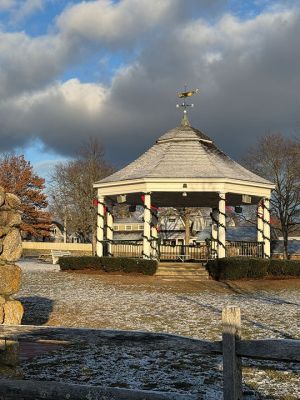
x=11, y=311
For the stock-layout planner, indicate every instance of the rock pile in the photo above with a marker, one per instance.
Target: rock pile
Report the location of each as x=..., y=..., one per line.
x=11, y=311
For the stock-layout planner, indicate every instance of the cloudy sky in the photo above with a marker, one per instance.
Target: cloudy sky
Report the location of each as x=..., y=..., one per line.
x=74, y=69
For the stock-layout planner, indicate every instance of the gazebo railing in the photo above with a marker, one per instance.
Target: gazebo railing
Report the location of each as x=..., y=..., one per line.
x=244, y=249
x=196, y=252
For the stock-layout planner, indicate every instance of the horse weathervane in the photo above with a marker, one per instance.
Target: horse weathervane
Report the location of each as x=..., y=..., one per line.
x=184, y=95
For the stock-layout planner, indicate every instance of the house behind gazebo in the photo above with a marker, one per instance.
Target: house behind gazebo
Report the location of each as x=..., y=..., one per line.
x=184, y=168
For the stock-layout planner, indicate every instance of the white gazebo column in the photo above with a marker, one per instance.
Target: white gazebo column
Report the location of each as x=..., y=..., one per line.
x=154, y=236
x=221, y=226
x=100, y=225
x=147, y=227
x=260, y=222
x=109, y=228
x=266, y=229
x=214, y=232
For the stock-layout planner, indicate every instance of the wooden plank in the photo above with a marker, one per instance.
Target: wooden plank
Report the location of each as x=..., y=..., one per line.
x=270, y=349
x=232, y=367
x=81, y=335
x=28, y=390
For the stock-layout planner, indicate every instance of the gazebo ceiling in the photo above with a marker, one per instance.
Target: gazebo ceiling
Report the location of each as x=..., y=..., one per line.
x=192, y=199
x=183, y=152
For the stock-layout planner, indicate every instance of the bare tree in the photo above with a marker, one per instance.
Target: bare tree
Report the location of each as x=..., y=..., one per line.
x=185, y=213
x=181, y=215
x=277, y=158
x=72, y=191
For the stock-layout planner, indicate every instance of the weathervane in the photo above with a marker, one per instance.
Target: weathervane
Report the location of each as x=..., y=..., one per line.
x=184, y=104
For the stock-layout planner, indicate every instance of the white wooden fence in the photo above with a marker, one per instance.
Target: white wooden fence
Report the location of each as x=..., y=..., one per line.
x=232, y=348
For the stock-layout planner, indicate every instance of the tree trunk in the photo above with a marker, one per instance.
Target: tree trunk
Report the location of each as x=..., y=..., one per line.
x=187, y=228
x=285, y=245
x=94, y=241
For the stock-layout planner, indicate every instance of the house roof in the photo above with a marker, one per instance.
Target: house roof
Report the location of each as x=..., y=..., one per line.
x=233, y=233
x=184, y=152
x=293, y=247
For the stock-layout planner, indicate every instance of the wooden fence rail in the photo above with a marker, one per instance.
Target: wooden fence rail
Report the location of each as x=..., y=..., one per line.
x=232, y=347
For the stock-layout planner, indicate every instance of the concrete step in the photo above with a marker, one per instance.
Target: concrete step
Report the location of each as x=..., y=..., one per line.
x=181, y=264
x=182, y=272
x=180, y=269
x=187, y=266
x=184, y=278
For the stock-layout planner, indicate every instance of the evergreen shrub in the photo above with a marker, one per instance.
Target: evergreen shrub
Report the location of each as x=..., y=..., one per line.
x=231, y=268
x=137, y=265
x=77, y=263
x=258, y=268
x=109, y=264
x=284, y=267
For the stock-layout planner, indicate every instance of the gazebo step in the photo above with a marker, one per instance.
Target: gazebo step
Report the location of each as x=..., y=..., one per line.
x=181, y=264
x=195, y=270
x=182, y=271
x=183, y=278
x=181, y=274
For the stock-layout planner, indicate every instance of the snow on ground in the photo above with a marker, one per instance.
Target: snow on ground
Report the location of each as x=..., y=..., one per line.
x=269, y=310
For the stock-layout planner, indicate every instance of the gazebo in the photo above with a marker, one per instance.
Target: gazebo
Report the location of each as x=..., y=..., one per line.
x=184, y=168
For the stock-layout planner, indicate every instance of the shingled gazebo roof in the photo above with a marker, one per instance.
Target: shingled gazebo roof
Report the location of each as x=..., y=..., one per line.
x=184, y=168
x=184, y=152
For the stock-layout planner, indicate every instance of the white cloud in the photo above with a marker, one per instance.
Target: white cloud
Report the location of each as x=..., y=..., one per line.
x=7, y=4
x=115, y=23
x=20, y=9
x=29, y=63
x=26, y=8
x=61, y=115
x=247, y=71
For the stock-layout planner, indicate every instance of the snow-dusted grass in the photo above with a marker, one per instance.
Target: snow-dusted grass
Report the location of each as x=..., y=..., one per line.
x=269, y=309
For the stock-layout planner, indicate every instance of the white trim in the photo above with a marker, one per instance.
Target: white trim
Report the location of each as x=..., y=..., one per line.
x=193, y=185
x=182, y=180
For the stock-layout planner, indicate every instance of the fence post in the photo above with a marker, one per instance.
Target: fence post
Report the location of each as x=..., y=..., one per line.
x=232, y=366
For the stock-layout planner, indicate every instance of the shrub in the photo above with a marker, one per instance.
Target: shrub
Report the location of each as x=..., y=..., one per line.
x=109, y=264
x=137, y=265
x=258, y=267
x=212, y=268
x=284, y=268
x=231, y=268
x=77, y=263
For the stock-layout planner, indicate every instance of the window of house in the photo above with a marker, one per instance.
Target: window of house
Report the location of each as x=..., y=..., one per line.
x=141, y=227
x=172, y=219
x=128, y=227
x=169, y=242
x=116, y=227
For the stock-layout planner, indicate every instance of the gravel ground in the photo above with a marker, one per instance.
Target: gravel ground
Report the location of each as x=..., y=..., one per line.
x=269, y=309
